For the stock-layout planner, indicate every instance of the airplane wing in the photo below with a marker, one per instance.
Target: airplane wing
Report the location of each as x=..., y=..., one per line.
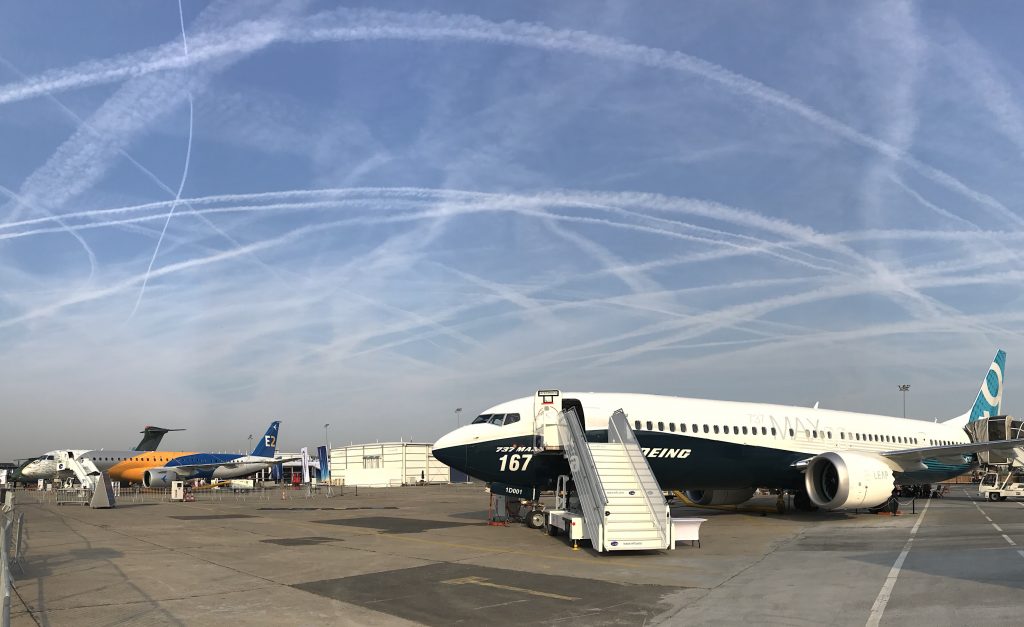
x=909, y=458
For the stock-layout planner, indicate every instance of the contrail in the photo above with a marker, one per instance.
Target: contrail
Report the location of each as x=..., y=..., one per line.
x=122, y=151
x=994, y=90
x=62, y=228
x=476, y=201
x=371, y=25
x=181, y=185
x=522, y=206
x=423, y=194
x=287, y=238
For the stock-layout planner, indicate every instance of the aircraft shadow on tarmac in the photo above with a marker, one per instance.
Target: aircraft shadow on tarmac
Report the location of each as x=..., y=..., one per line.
x=480, y=516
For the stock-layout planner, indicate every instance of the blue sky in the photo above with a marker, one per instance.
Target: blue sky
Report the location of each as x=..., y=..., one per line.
x=370, y=217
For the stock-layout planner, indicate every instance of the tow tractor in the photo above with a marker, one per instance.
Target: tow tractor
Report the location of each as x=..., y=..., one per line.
x=998, y=486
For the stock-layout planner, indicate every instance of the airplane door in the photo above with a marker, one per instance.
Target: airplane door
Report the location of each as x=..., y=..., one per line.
x=545, y=418
x=572, y=403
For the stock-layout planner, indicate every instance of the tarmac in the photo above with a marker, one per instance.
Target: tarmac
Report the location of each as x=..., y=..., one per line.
x=425, y=555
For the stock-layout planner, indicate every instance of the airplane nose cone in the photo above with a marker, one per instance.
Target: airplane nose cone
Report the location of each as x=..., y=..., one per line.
x=450, y=450
x=446, y=441
x=446, y=455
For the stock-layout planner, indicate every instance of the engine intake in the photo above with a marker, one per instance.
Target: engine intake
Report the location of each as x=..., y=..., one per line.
x=848, y=480
x=159, y=477
x=720, y=497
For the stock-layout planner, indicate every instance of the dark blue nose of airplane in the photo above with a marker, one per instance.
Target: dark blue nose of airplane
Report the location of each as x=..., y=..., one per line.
x=452, y=451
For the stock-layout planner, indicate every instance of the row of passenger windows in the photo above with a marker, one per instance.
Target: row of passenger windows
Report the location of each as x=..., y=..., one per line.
x=496, y=419
x=809, y=433
x=138, y=459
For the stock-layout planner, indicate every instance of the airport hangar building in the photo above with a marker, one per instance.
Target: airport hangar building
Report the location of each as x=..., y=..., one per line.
x=384, y=464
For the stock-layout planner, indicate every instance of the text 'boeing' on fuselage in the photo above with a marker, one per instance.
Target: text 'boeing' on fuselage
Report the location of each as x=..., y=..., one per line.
x=719, y=452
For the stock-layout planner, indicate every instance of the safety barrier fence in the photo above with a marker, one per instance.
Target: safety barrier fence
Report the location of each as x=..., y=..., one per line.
x=12, y=527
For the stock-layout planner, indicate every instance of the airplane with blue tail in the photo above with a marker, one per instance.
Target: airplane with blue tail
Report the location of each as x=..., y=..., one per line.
x=157, y=469
x=48, y=465
x=719, y=452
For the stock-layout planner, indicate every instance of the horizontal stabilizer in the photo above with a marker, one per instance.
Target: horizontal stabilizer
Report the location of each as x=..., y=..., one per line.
x=151, y=437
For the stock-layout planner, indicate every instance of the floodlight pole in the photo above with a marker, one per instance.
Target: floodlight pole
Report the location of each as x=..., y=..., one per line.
x=458, y=410
x=904, y=387
x=327, y=440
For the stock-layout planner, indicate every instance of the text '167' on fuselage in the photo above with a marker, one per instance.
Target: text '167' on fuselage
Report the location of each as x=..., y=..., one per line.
x=719, y=452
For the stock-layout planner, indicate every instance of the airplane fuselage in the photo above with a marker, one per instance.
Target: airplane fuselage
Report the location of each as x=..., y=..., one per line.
x=694, y=443
x=130, y=466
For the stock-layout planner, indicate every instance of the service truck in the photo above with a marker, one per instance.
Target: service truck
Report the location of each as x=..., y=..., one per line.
x=999, y=486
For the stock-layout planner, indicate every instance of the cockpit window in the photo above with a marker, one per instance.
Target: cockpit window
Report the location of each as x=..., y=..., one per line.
x=510, y=418
x=49, y=458
x=482, y=418
x=497, y=419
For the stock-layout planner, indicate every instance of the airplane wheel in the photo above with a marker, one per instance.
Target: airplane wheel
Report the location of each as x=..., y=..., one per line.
x=536, y=519
x=802, y=502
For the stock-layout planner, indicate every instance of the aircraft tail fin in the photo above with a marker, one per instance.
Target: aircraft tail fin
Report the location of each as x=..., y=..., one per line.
x=268, y=445
x=989, y=401
x=151, y=437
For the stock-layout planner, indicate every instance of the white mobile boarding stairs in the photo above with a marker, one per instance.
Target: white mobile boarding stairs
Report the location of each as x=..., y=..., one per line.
x=85, y=471
x=96, y=485
x=620, y=502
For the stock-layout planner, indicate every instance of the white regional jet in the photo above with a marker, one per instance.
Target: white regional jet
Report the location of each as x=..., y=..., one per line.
x=720, y=451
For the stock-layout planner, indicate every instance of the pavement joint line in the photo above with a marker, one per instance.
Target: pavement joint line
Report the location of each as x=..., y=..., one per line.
x=487, y=607
x=772, y=549
x=32, y=614
x=1021, y=553
x=77, y=606
x=883, y=595
x=483, y=581
x=176, y=550
x=545, y=555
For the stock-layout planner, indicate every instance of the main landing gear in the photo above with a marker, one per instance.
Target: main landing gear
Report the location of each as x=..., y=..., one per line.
x=802, y=502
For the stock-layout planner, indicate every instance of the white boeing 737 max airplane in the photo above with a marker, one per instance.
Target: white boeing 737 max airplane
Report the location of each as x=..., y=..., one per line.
x=720, y=451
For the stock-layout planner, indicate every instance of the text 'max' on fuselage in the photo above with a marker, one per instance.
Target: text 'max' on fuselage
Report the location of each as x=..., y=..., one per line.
x=720, y=451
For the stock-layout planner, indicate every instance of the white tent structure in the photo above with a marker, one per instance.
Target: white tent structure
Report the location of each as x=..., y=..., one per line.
x=386, y=464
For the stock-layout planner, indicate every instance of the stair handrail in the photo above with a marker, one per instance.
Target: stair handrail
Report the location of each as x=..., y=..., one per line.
x=584, y=472
x=620, y=431
x=86, y=476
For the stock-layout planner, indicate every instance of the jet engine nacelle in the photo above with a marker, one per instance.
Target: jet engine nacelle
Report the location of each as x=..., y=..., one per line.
x=848, y=480
x=159, y=477
x=720, y=497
